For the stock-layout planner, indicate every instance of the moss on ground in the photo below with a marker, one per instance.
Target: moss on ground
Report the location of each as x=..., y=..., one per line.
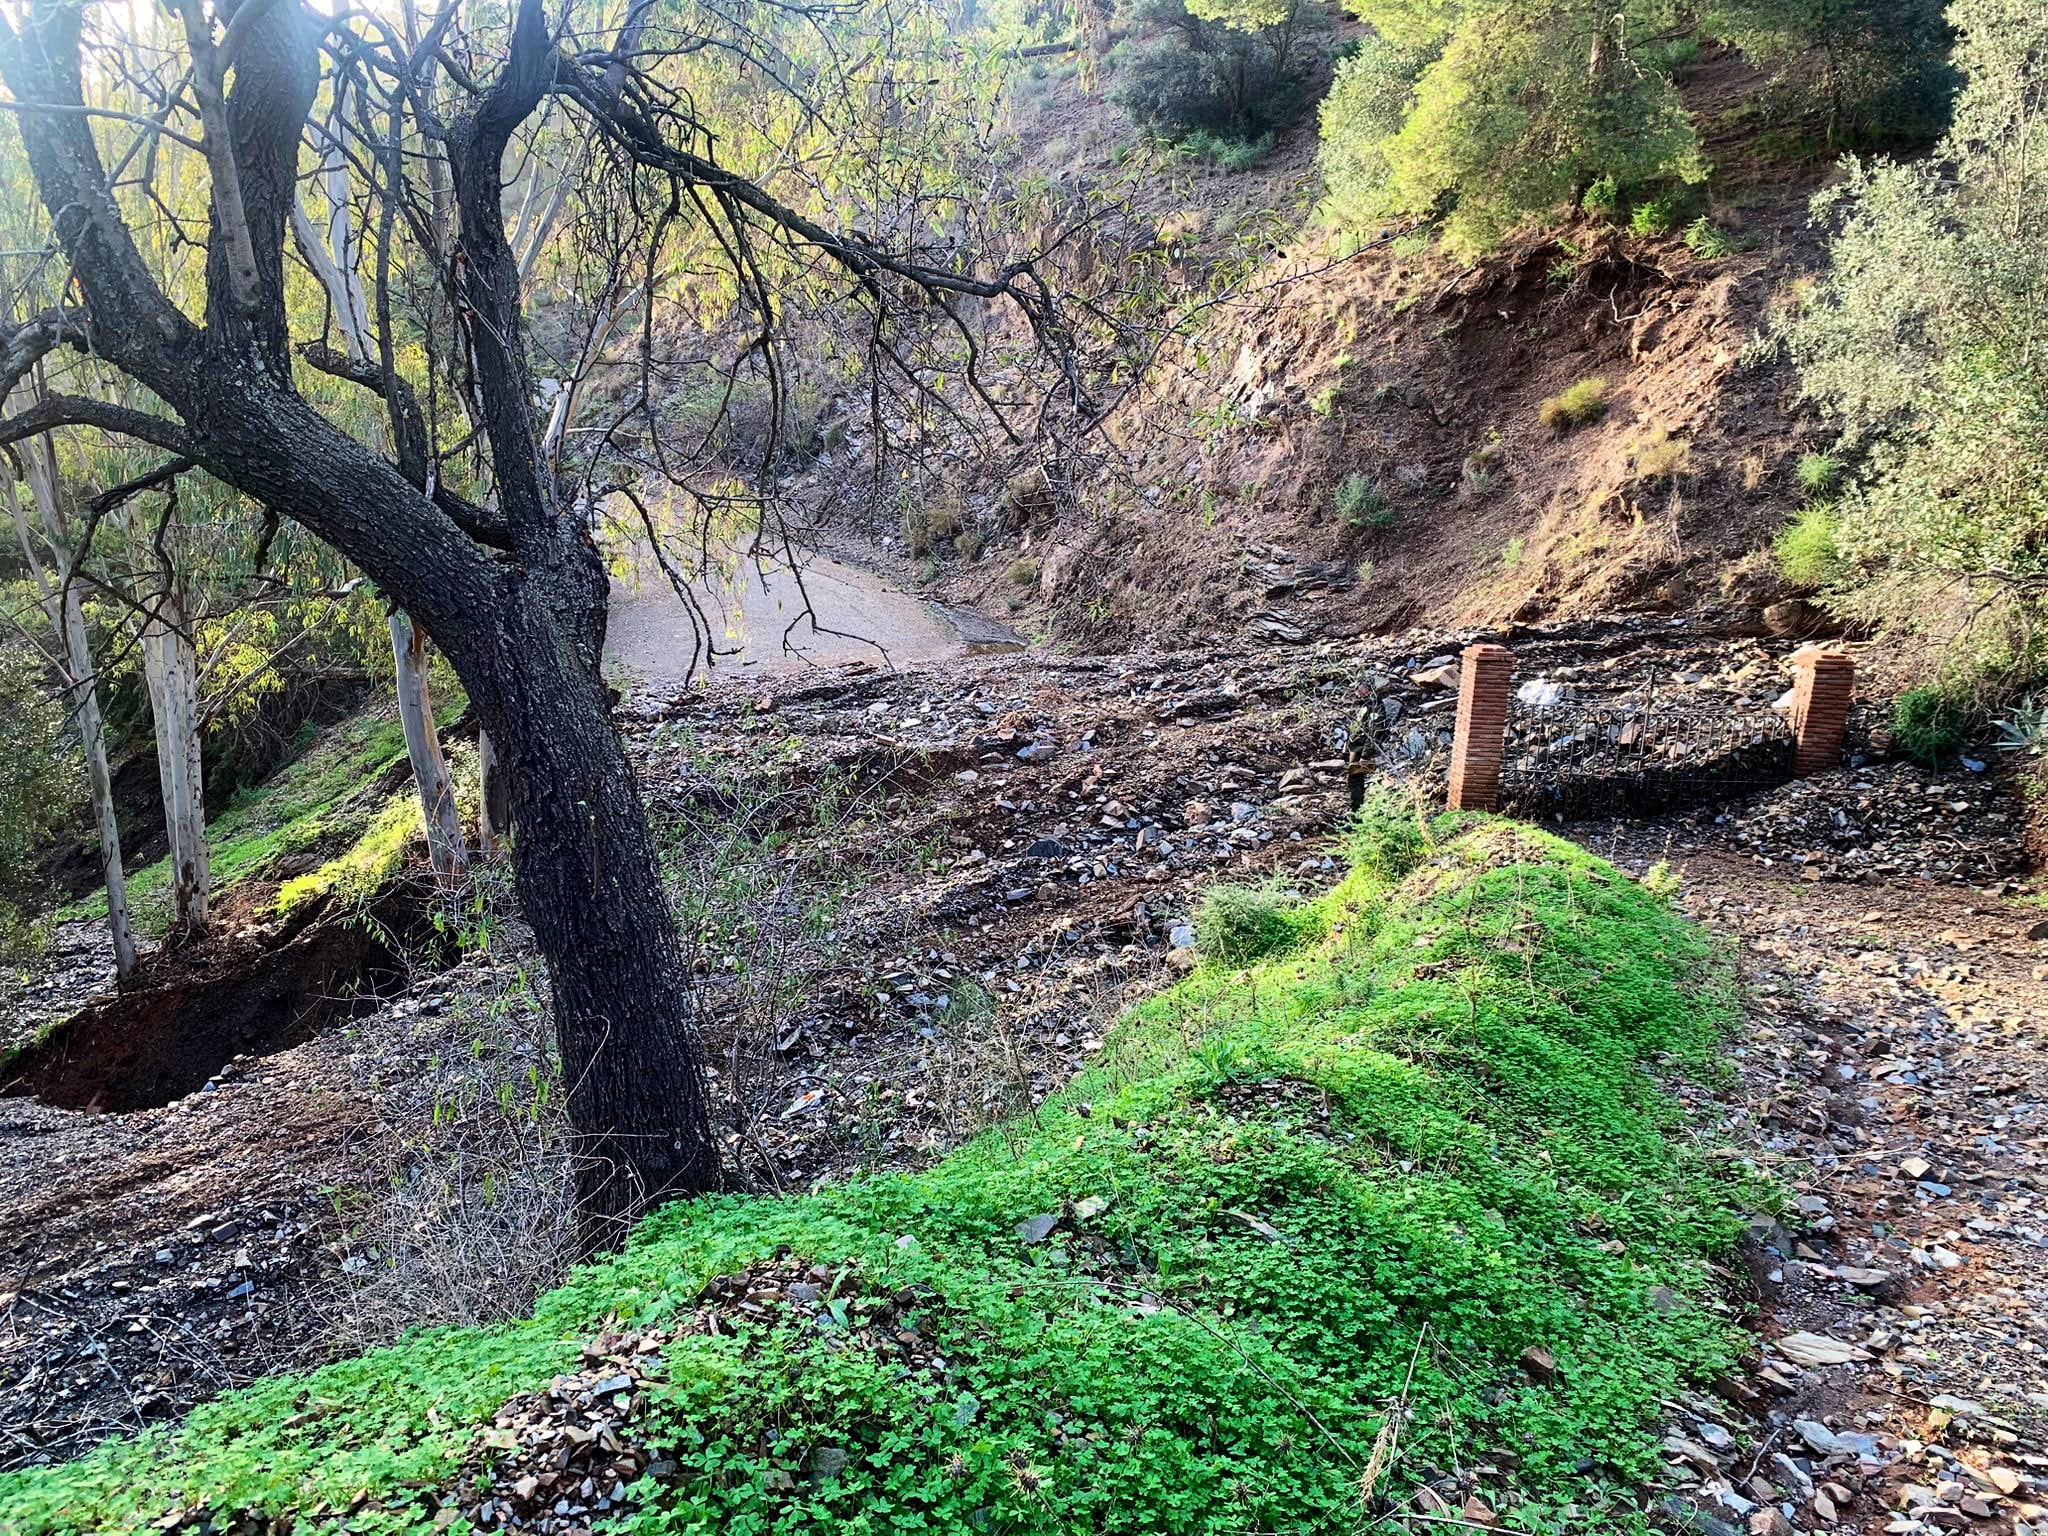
x=1351, y=1183
x=321, y=803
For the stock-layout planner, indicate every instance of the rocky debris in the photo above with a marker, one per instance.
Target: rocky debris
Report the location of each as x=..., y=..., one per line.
x=76, y=966
x=1882, y=821
x=560, y=1460
x=151, y=1260
x=1890, y=1076
x=142, y=1330
x=834, y=1301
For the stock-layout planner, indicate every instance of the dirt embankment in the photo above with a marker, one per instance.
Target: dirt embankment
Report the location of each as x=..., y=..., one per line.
x=1348, y=445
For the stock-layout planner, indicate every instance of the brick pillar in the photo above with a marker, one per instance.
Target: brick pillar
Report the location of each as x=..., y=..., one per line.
x=1825, y=684
x=1482, y=727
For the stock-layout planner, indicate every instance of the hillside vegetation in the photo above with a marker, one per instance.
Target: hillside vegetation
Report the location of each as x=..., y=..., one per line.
x=1406, y=1186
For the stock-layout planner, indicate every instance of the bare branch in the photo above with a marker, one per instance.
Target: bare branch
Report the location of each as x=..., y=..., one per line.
x=35, y=338
x=53, y=411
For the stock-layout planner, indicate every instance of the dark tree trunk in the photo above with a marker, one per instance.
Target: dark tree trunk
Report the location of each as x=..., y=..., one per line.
x=590, y=883
x=513, y=592
x=525, y=633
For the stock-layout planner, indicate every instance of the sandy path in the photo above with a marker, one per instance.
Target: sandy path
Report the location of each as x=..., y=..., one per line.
x=759, y=620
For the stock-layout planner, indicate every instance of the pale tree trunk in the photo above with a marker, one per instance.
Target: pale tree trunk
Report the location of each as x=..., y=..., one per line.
x=333, y=259
x=57, y=594
x=423, y=746
x=170, y=665
x=494, y=798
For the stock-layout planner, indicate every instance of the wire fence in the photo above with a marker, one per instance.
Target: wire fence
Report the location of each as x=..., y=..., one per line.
x=1644, y=749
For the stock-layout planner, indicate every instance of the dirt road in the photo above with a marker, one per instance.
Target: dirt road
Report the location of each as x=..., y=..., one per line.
x=766, y=617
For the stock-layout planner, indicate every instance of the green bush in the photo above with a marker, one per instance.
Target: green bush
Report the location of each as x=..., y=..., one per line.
x=1231, y=154
x=1845, y=74
x=1486, y=114
x=1710, y=242
x=1362, y=502
x=1231, y=73
x=1805, y=549
x=1237, y=924
x=1931, y=723
x=1286, y=1210
x=1921, y=343
x=1581, y=405
x=1657, y=215
x=1387, y=837
x=1818, y=473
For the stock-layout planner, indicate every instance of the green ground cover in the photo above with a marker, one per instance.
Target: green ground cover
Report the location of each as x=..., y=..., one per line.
x=323, y=803
x=1341, y=1183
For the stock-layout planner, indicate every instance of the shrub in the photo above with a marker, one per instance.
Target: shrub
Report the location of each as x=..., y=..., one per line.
x=1603, y=197
x=1581, y=405
x=1657, y=216
x=1237, y=924
x=1231, y=153
x=1710, y=242
x=1817, y=473
x=1920, y=341
x=1232, y=74
x=944, y=514
x=1663, y=457
x=1805, y=549
x=1930, y=723
x=915, y=523
x=1324, y=401
x=970, y=542
x=1388, y=836
x=1023, y=571
x=1362, y=502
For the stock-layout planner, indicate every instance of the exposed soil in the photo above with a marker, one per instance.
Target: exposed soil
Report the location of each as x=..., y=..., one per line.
x=1213, y=517
x=252, y=990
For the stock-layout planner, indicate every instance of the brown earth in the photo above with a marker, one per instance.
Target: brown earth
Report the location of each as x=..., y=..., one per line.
x=1213, y=515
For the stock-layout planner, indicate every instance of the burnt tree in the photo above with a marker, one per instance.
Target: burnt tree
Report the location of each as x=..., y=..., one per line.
x=507, y=582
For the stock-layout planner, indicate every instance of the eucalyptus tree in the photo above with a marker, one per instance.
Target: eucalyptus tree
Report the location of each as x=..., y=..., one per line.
x=484, y=539
x=51, y=550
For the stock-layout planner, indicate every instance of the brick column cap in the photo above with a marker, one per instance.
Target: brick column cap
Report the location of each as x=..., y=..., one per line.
x=1814, y=656
x=1486, y=648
